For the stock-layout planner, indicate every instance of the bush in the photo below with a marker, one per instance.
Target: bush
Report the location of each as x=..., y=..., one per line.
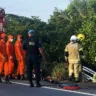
x=59, y=72
x=48, y=68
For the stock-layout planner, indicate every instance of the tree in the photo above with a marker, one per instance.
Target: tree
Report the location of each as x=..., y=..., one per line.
x=78, y=17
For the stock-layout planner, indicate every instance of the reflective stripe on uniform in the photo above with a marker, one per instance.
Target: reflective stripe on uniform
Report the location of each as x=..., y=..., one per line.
x=74, y=61
x=66, y=50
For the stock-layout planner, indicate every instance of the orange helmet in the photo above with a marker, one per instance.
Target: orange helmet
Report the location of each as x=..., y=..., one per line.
x=3, y=35
x=19, y=36
x=10, y=37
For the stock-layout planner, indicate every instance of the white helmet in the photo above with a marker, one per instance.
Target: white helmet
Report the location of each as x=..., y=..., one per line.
x=73, y=38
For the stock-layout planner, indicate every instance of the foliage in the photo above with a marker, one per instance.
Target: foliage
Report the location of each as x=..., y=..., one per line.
x=59, y=72
x=78, y=17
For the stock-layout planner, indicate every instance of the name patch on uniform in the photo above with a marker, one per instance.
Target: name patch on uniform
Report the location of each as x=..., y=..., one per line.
x=32, y=43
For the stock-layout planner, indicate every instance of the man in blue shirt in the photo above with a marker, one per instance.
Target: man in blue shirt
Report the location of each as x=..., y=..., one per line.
x=33, y=47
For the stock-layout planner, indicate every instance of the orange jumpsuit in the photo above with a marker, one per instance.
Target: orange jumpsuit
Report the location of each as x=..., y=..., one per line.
x=3, y=57
x=20, y=56
x=11, y=55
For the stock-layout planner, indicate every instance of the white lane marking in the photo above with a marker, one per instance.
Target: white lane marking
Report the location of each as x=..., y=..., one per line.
x=83, y=93
x=20, y=83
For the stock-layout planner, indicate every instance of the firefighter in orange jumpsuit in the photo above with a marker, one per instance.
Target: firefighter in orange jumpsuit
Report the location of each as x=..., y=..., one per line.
x=11, y=54
x=3, y=56
x=20, y=57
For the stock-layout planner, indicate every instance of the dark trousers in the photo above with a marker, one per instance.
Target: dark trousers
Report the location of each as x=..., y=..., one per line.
x=33, y=60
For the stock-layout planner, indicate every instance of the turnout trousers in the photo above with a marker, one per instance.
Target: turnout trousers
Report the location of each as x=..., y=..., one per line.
x=74, y=69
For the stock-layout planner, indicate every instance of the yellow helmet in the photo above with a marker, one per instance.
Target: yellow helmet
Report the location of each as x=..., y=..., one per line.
x=81, y=37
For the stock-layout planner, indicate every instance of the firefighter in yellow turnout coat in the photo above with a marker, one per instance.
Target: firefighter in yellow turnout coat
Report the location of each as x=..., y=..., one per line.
x=73, y=52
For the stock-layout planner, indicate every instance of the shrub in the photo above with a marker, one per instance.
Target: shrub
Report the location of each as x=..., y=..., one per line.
x=59, y=72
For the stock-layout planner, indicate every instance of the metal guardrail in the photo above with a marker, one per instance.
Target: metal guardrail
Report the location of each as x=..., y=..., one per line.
x=88, y=70
x=86, y=76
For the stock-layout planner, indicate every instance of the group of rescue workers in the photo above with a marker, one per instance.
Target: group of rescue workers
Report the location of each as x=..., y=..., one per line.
x=30, y=50
x=8, y=52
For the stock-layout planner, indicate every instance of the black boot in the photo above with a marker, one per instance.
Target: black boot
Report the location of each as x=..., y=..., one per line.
x=10, y=76
x=31, y=84
x=71, y=78
x=22, y=77
x=18, y=77
x=0, y=80
x=77, y=80
x=7, y=80
x=38, y=85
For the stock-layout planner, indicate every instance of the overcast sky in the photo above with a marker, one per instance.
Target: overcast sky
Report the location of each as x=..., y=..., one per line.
x=28, y=8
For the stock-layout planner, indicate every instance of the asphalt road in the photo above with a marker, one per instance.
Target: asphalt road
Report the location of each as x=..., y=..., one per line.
x=21, y=88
